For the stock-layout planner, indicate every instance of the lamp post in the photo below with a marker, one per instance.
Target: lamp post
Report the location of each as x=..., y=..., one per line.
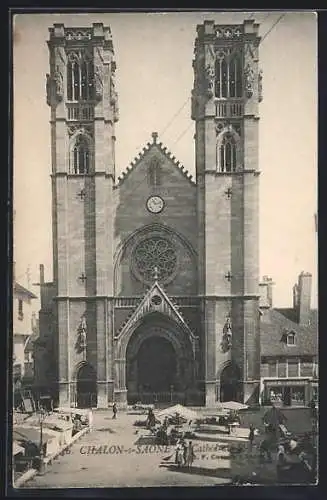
x=42, y=416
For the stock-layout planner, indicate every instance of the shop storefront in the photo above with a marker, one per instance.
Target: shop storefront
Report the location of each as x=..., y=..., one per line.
x=315, y=390
x=289, y=392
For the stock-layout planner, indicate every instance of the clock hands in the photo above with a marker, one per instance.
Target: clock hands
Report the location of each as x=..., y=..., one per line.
x=155, y=204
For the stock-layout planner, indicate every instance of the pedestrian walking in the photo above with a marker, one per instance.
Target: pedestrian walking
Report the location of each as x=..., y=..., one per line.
x=265, y=449
x=151, y=420
x=281, y=455
x=179, y=453
x=185, y=451
x=190, y=455
x=251, y=436
x=313, y=412
x=114, y=411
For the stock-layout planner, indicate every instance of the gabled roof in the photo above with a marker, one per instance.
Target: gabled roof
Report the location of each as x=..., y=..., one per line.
x=163, y=149
x=274, y=327
x=155, y=300
x=21, y=289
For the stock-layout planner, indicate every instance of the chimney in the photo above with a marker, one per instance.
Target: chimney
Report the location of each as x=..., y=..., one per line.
x=295, y=297
x=265, y=288
x=41, y=274
x=304, y=298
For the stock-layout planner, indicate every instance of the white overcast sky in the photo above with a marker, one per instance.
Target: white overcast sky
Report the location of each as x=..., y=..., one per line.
x=154, y=79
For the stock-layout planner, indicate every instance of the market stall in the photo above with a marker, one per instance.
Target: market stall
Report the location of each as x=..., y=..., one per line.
x=80, y=417
x=55, y=422
x=176, y=421
x=30, y=438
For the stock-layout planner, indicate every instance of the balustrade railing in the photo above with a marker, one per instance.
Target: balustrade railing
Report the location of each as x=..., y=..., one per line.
x=180, y=301
x=126, y=301
x=229, y=109
x=80, y=111
x=166, y=398
x=84, y=400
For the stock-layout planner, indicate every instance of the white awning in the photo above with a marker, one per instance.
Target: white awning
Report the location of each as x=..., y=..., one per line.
x=17, y=449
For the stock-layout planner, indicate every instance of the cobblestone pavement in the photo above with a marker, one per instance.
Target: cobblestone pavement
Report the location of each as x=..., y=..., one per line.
x=115, y=454
x=104, y=458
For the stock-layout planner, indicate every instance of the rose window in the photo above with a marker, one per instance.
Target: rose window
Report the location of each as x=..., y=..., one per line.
x=155, y=258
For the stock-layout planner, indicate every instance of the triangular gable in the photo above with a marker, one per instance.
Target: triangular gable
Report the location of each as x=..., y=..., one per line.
x=164, y=151
x=155, y=300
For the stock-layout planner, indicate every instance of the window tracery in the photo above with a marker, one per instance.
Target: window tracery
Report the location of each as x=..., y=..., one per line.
x=227, y=153
x=81, y=155
x=154, y=255
x=80, y=77
x=228, y=75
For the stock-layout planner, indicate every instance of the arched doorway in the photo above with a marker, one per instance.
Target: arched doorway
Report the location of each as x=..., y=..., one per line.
x=230, y=383
x=86, y=387
x=159, y=361
x=156, y=365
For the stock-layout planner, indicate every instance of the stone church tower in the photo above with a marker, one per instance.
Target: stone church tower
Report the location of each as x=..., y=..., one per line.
x=225, y=98
x=155, y=288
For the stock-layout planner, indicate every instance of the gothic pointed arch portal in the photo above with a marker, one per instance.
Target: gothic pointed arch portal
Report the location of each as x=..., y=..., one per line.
x=159, y=358
x=85, y=386
x=230, y=383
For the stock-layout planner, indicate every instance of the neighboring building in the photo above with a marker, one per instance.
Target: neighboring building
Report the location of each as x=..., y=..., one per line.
x=156, y=275
x=22, y=326
x=29, y=352
x=289, y=347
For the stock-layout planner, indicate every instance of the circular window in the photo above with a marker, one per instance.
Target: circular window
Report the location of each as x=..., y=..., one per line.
x=156, y=300
x=154, y=259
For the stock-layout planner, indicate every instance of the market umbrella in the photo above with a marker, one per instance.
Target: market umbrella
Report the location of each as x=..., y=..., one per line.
x=16, y=448
x=180, y=410
x=32, y=434
x=234, y=405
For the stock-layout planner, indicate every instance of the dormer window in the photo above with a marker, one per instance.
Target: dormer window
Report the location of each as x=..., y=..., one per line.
x=290, y=339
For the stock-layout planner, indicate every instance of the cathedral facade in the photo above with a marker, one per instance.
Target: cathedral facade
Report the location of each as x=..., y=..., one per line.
x=155, y=292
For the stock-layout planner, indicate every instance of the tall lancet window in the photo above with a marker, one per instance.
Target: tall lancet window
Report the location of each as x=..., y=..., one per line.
x=227, y=153
x=228, y=75
x=80, y=77
x=154, y=174
x=81, y=156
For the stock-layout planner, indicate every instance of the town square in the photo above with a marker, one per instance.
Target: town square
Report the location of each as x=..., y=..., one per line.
x=116, y=453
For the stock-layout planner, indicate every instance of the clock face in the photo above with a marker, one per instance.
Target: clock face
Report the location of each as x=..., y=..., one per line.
x=155, y=204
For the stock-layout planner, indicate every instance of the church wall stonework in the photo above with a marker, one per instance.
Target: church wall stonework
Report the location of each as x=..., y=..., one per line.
x=76, y=235
x=178, y=216
x=182, y=283
x=217, y=237
x=251, y=234
x=179, y=196
x=210, y=225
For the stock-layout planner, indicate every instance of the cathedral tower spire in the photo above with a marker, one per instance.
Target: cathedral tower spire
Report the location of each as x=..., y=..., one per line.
x=225, y=104
x=81, y=93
